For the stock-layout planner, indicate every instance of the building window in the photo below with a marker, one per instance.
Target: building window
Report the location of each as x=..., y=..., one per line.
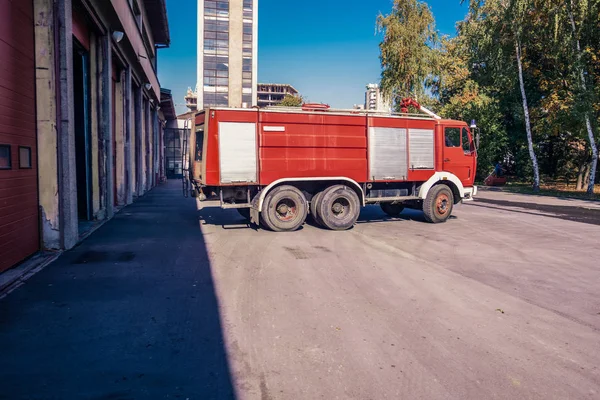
x=5, y=161
x=137, y=13
x=216, y=53
x=25, y=157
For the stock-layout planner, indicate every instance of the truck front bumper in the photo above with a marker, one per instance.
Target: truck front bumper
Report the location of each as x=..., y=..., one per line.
x=470, y=193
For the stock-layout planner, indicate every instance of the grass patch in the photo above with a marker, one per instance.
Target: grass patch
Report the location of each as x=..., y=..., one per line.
x=553, y=190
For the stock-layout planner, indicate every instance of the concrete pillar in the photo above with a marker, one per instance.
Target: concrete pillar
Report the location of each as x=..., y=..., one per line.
x=146, y=143
x=120, y=140
x=106, y=131
x=129, y=168
x=94, y=107
x=46, y=116
x=150, y=133
x=67, y=174
x=155, y=147
x=139, y=141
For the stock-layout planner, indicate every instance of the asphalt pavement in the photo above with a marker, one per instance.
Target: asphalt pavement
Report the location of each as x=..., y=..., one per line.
x=167, y=301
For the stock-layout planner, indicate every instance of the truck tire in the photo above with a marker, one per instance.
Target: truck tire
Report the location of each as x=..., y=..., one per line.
x=338, y=208
x=314, y=209
x=285, y=209
x=244, y=212
x=438, y=204
x=391, y=209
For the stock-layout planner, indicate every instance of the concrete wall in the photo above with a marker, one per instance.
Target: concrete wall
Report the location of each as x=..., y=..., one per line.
x=136, y=130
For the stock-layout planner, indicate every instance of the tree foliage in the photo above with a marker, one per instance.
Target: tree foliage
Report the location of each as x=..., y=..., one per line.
x=526, y=70
x=408, y=48
x=292, y=101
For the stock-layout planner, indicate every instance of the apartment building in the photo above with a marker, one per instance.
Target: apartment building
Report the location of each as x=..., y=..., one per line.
x=227, y=54
x=271, y=94
x=375, y=100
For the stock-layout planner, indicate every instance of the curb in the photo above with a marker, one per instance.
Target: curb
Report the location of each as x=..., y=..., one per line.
x=16, y=277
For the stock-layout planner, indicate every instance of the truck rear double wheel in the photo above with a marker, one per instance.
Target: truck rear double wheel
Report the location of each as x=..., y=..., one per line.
x=438, y=204
x=313, y=208
x=285, y=209
x=337, y=208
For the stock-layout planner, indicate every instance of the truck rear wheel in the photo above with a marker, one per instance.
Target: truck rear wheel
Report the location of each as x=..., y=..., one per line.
x=391, y=209
x=338, y=208
x=285, y=209
x=439, y=204
x=314, y=207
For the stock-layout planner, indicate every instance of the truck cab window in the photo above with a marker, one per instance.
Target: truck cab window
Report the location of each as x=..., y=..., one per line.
x=199, y=142
x=466, y=142
x=452, y=137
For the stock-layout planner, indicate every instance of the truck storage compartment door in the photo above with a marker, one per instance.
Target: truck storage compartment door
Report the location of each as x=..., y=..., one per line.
x=421, y=149
x=237, y=152
x=387, y=154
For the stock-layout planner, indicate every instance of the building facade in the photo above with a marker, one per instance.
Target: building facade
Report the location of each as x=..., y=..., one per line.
x=271, y=94
x=227, y=53
x=375, y=100
x=81, y=126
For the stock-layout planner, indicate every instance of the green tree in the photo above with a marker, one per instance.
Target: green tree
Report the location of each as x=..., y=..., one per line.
x=582, y=9
x=499, y=27
x=292, y=101
x=408, y=49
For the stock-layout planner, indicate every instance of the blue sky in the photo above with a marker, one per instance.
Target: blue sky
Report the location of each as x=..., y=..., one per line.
x=328, y=50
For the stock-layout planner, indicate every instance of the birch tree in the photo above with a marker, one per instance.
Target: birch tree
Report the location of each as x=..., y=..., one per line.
x=581, y=72
x=502, y=23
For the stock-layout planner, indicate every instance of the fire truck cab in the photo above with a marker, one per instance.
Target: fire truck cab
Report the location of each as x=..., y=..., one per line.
x=277, y=165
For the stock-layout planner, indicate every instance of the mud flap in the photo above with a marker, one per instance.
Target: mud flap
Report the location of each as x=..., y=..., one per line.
x=254, y=213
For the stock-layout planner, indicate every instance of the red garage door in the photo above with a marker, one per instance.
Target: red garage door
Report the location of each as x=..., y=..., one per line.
x=19, y=222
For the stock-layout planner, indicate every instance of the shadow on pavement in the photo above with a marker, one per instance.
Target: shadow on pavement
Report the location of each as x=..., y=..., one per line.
x=131, y=313
x=230, y=219
x=569, y=213
x=372, y=214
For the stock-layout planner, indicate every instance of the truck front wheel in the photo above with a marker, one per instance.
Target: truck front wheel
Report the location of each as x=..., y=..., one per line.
x=285, y=209
x=438, y=205
x=338, y=208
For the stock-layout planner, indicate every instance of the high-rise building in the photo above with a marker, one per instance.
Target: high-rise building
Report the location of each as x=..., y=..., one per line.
x=375, y=100
x=271, y=94
x=227, y=53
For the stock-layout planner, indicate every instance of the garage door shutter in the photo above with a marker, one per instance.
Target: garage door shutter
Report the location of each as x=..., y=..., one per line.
x=19, y=221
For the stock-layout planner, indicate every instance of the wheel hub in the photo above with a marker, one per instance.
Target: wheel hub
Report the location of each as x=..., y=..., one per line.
x=286, y=210
x=442, y=204
x=338, y=208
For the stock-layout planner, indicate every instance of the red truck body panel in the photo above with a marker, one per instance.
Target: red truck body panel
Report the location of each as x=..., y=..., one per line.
x=297, y=144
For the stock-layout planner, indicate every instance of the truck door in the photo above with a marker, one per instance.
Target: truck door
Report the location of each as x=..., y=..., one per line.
x=459, y=154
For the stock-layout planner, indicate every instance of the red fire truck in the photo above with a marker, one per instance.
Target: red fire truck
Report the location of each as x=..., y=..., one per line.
x=277, y=165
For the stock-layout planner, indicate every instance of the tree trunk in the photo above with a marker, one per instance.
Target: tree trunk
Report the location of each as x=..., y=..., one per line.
x=536, y=171
x=580, y=171
x=588, y=124
x=586, y=175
